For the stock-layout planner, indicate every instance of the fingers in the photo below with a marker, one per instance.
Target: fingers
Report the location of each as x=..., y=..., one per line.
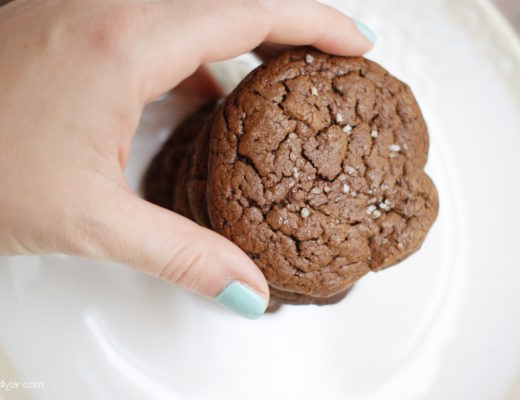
x=156, y=241
x=186, y=34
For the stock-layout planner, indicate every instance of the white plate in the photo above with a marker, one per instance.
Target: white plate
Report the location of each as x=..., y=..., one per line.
x=443, y=325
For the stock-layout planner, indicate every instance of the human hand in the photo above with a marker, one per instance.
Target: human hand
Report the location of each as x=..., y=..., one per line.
x=74, y=77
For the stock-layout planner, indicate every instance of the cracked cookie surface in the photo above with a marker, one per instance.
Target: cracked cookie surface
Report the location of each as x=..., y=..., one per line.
x=316, y=171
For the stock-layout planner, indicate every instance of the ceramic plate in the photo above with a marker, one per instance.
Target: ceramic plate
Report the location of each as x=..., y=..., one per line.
x=442, y=325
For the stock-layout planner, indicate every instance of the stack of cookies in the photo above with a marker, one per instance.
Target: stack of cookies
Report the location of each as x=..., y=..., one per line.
x=313, y=165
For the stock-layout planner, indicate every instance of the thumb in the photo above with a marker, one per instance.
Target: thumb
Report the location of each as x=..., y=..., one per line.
x=167, y=245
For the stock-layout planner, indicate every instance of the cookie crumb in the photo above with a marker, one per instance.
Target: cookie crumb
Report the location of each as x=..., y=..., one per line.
x=305, y=212
x=345, y=189
x=314, y=91
x=339, y=118
x=293, y=136
x=293, y=157
x=374, y=133
x=400, y=245
x=353, y=193
x=309, y=59
x=395, y=148
x=347, y=129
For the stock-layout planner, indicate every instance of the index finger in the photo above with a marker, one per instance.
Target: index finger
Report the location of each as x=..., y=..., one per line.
x=187, y=34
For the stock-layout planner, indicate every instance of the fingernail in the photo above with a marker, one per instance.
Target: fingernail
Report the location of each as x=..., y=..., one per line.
x=242, y=300
x=366, y=31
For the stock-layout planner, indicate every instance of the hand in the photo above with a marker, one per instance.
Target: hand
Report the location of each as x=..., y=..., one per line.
x=74, y=77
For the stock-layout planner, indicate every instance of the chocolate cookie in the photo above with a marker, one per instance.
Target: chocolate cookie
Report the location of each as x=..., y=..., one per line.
x=316, y=171
x=160, y=180
x=198, y=174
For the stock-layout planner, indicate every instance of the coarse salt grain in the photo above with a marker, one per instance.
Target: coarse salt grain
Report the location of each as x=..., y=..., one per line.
x=342, y=177
x=326, y=189
x=316, y=191
x=374, y=133
x=345, y=189
x=376, y=214
x=314, y=91
x=292, y=156
x=309, y=59
x=292, y=135
x=295, y=172
x=339, y=118
x=371, y=209
x=400, y=245
x=347, y=129
x=373, y=200
x=395, y=148
x=305, y=212
x=350, y=170
x=384, y=206
x=354, y=193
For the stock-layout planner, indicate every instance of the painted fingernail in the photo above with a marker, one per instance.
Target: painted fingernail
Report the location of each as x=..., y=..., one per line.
x=242, y=300
x=366, y=31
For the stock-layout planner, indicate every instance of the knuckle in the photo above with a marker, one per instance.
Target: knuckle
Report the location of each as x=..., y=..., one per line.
x=111, y=32
x=259, y=7
x=187, y=266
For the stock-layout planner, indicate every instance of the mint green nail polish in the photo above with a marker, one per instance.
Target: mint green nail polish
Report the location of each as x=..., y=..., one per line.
x=242, y=300
x=365, y=30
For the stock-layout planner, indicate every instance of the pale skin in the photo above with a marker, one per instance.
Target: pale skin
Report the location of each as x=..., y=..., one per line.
x=74, y=78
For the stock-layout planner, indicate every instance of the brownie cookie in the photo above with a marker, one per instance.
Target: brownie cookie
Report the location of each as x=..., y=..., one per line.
x=196, y=189
x=160, y=180
x=181, y=204
x=198, y=173
x=316, y=171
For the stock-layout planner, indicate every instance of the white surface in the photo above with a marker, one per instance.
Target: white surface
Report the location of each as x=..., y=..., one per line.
x=443, y=325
